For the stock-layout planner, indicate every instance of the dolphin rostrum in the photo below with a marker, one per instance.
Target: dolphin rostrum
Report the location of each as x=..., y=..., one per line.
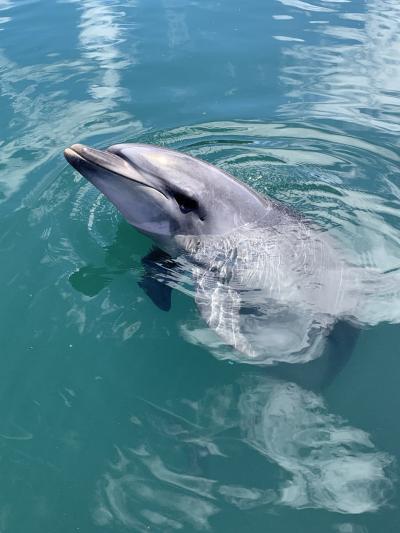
x=266, y=280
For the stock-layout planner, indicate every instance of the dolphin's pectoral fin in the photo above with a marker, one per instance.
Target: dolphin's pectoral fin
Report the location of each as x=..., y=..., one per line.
x=157, y=269
x=158, y=292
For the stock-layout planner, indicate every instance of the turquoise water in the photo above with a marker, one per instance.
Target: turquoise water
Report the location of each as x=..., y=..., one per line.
x=111, y=418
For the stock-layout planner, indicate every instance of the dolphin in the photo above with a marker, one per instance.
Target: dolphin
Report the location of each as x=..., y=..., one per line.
x=267, y=281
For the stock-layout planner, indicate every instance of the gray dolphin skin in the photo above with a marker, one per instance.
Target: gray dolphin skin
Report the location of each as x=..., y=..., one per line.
x=269, y=283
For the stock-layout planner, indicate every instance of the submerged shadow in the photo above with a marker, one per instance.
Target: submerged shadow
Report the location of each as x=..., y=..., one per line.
x=118, y=259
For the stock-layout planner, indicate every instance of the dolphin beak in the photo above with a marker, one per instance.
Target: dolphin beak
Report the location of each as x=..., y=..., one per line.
x=100, y=166
x=81, y=157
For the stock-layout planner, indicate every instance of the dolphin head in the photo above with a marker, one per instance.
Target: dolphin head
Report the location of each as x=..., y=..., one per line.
x=164, y=193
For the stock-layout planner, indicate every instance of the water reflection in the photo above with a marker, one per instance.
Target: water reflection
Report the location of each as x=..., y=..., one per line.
x=331, y=464
x=355, y=75
x=196, y=458
x=101, y=33
x=306, y=6
x=4, y=5
x=45, y=117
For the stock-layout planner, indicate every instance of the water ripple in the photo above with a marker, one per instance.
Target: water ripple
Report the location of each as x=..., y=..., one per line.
x=354, y=78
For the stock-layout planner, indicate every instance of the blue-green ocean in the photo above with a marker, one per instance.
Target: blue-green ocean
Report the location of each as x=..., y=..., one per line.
x=112, y=419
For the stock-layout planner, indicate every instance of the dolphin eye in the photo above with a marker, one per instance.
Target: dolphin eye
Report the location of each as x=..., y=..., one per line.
x=185, y=203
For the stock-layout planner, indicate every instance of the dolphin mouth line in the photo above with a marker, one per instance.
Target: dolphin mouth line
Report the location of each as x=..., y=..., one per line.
x=104, y=160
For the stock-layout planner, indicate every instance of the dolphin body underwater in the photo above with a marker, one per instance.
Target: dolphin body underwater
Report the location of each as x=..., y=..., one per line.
x=269, y=282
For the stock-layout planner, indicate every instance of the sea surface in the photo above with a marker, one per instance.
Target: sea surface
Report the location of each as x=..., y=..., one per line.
x=111, y=418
